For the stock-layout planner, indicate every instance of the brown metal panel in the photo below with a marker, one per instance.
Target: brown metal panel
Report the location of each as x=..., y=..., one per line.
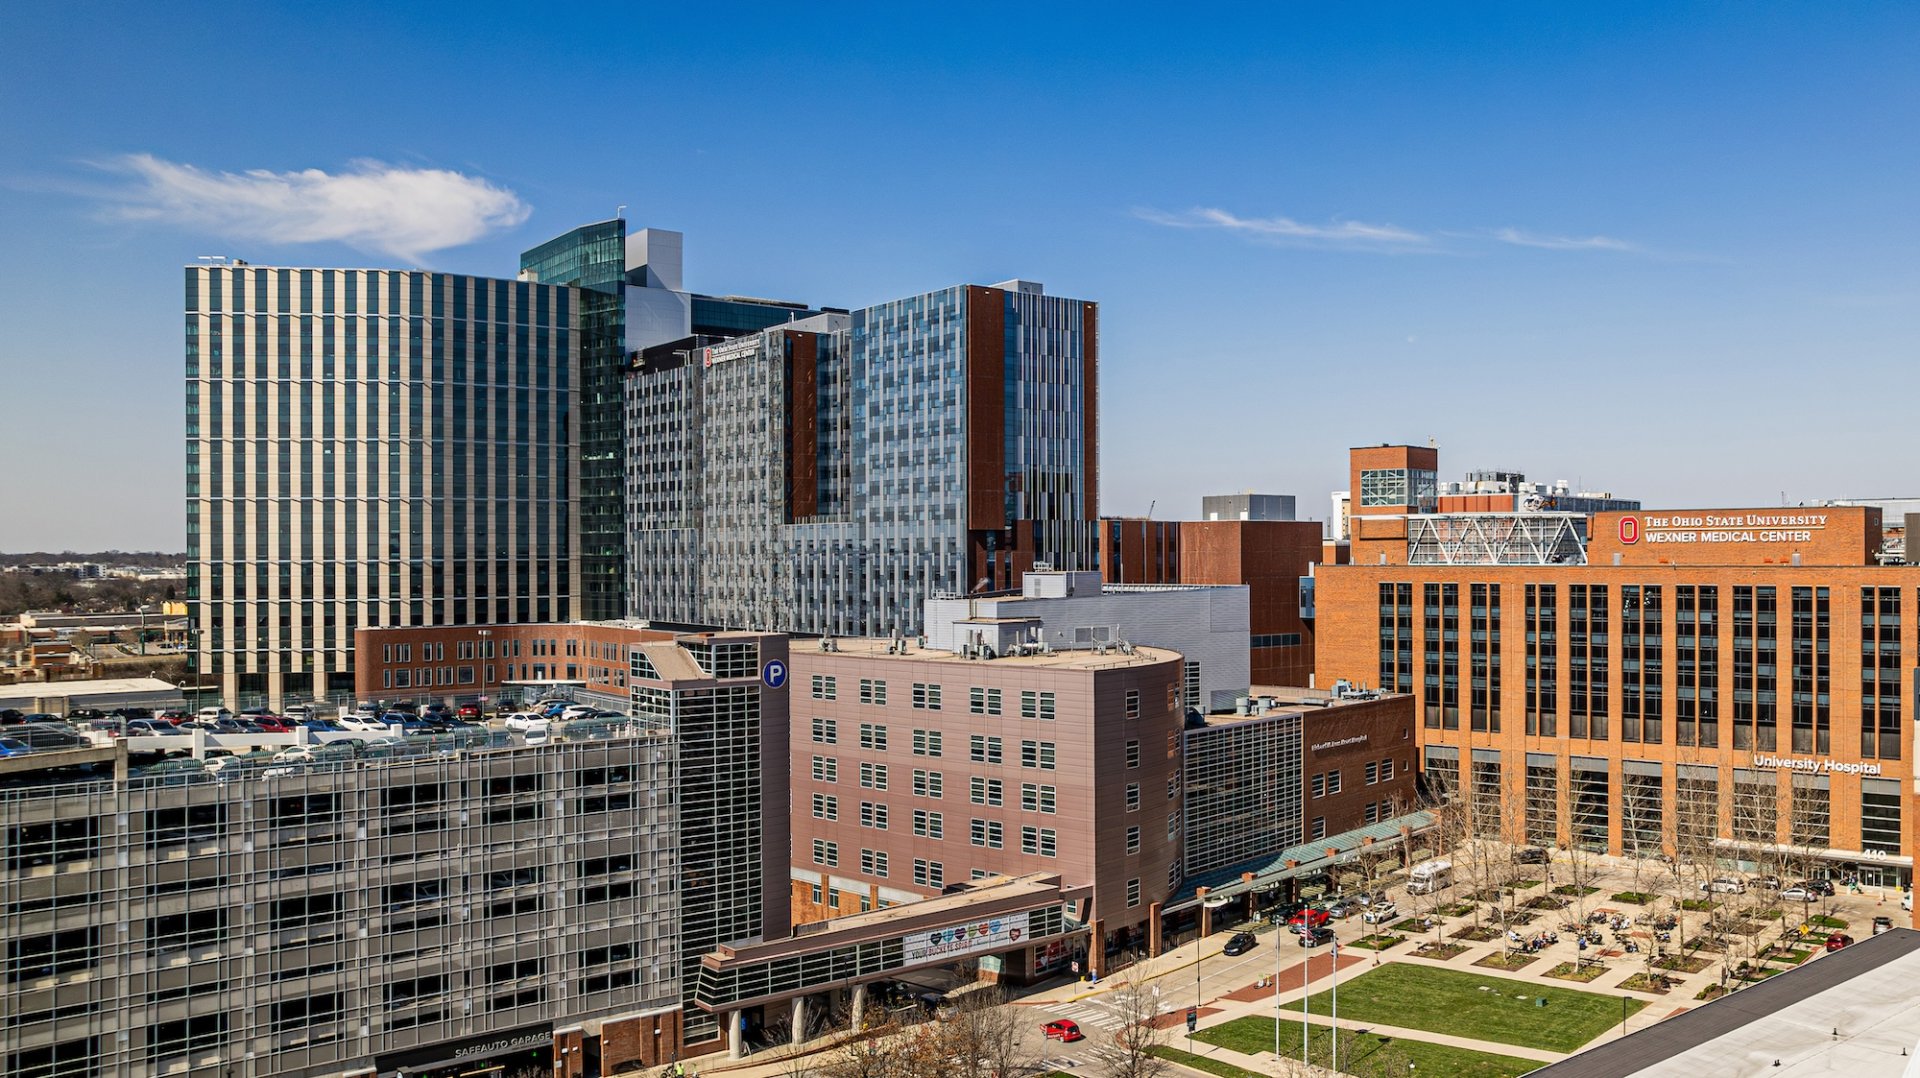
x=986, y=408
x=803, y=440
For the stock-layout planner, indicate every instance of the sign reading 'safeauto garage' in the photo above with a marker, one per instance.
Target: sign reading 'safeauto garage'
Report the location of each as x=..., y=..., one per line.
x=1827, y=535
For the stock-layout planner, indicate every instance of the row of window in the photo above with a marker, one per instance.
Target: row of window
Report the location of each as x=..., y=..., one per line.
x=1034, y=703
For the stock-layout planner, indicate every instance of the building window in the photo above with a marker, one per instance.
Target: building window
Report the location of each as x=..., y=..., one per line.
x=1037, y=754
x=926, y=742
x=1133, y=703
x=826, y=807
x=1386, y=771
x=1036, y=705
x=873, y=814
x=987, y=833
x=929, y=873
x=986, y=791
x=927, y=783
x=1038, y=798
x=1319, y=785
x=873, y=736
x=1319, y=828
x=1133, y=892
x=873, y=862
x=983, y=701
x=816, y=894
x=833, y=893
x=1133, y=797
x=1133, y=754
x=873, y=776
x=1373, y=772
x=1371, y=813
x=826, y=853
x=925, y=696
x=1173, y=826
x=1173, y=787
x=1043, y=841
x=826, y=769
x=826, y=687
x=872, y=691
x=1133, y=840
x=983, y=749
x=1880, y=815
x=928, y=824
x=826, y=732
x=1333, y=782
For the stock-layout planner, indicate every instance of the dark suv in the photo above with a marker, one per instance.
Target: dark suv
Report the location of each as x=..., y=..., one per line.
x=1530, y=855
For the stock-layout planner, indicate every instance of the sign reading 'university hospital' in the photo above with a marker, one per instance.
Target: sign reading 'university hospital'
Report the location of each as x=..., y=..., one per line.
x=970, y=938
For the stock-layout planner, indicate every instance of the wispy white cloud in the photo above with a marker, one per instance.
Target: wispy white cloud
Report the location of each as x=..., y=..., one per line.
x=1287, y=230
x=1563, y=243
x=1359, y=235
x=379, y=208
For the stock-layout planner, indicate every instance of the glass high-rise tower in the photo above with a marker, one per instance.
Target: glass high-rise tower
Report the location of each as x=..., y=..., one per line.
x=367, y=448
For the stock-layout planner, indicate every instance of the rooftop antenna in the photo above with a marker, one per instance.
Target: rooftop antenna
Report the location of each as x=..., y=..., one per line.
x=620, y=210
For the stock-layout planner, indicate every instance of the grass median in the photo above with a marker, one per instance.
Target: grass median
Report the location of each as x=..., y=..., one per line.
x=1376, y=1053
x=1481, y=1007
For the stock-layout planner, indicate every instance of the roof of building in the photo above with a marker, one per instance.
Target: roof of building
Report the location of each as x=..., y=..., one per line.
x=1060, y=659
x=1293, y=700
x=1852, y=1011
x=122, y=686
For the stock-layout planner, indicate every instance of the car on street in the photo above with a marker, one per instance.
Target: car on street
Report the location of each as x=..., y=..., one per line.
x=1308, y=918
x=1065, y=1030
x=1314, y=937
x=1724, y=885
x=1818, y=887
x=1381, y=913
x=1341, y=908
x=1530, y=855
x=1240, y=944
x=1838, y=940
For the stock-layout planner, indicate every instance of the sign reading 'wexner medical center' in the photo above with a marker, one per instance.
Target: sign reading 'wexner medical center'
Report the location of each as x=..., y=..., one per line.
x=1722, y=528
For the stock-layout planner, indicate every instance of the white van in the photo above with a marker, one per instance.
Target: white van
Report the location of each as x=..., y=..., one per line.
x=1429, y=876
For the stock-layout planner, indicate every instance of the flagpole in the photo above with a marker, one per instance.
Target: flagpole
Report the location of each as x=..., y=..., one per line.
x=1306, y=1000
x=1336, y=1005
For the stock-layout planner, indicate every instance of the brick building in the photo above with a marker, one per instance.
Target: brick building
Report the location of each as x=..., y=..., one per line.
x=1731, y=678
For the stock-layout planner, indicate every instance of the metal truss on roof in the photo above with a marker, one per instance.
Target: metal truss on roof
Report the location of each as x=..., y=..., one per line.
x=1495, y=539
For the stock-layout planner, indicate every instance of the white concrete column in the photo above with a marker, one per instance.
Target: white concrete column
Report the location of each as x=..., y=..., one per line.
x=799, y=1019
x=735, y=1049
x=859, y=1007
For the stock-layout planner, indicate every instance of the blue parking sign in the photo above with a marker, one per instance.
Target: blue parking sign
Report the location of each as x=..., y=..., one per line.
x=774, y=673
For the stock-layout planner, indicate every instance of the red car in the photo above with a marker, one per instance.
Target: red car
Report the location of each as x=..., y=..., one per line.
x=1308, y=918
x=468, y=711
x=272, y=724
x=1064, y=1030
x=1838, y=940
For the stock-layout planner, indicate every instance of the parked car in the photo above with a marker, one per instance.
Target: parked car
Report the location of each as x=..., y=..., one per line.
x=272, y=724
x=1838, y=940
x=1881, y=924
x=48, y=736
x=10, y=716
x=1797, y=893
x=470, y=712
x=1725, y=885
x=1341, y=908
x=1314, y=937
x=1065, y=1030
x=1769, y=882
x=324, y=726
x=539, y=733
x=153, y=728
x=109, y=728
x=85, y=714
x=174, y=716
x=1308, y=918
x=1240, y=944
x=520, y=721
x=362, y=723
x=1818, y=887
x=1530, y=855
x=299, y=712
x=214, y=713
x=1381, y=913
x=13, y=747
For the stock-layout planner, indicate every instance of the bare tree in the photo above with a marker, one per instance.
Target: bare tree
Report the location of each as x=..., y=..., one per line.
x=1137, y=1007
x=981, y=1039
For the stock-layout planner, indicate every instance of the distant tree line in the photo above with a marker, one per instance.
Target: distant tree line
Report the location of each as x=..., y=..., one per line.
x=21, y=591
x=144, y=558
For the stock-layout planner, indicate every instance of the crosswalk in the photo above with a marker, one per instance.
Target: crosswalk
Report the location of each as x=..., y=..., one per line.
x=1099, y=1020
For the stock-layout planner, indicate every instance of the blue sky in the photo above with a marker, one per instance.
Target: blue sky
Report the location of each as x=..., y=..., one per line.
x=1667, y=251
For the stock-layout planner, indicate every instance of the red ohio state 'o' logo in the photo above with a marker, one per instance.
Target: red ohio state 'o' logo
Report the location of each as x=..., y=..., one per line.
x=1629, y=530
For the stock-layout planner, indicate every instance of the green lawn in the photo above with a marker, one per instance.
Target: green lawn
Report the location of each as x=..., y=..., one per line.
x=1448, y=1001
x=1376, y=1053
